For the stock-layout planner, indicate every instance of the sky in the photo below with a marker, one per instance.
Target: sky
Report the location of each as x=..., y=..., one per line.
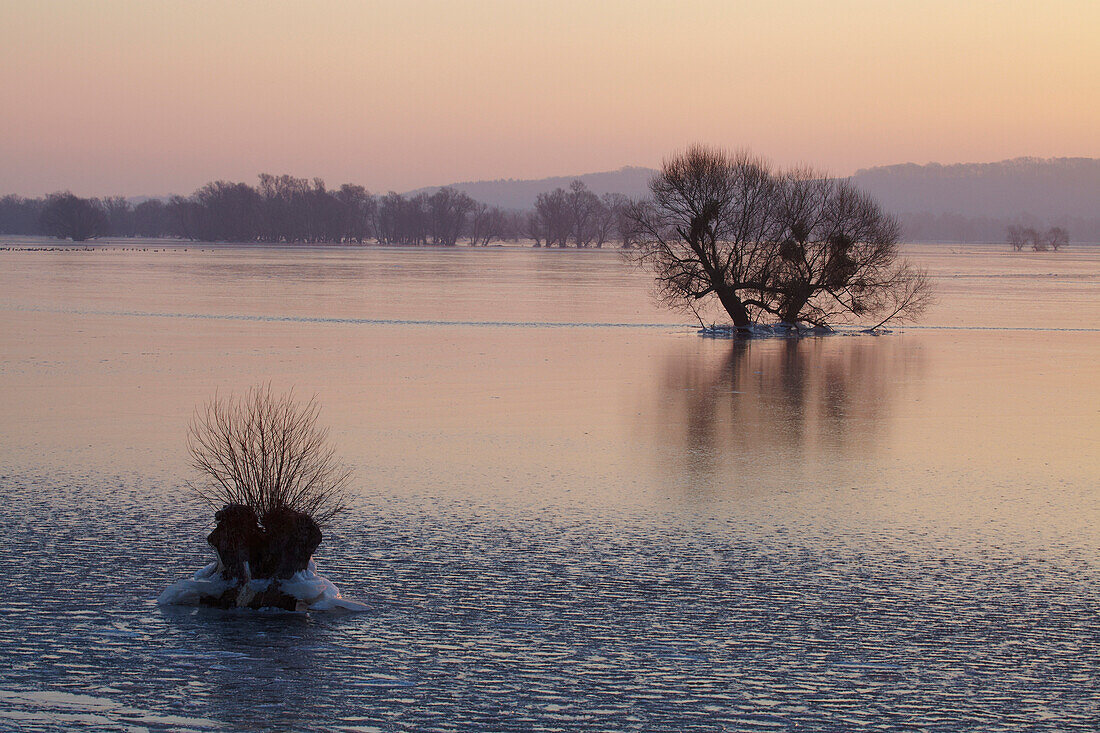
x=155, y=97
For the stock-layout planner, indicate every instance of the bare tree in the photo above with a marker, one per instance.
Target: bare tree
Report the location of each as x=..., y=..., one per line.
x=486, y=224
x=66, y=216
x=838, y=257
x=227, y=211
x=705, y=231
x=1057, y=237
x=800, y=247
x=534, y=228
x=447, y=211
x=358, y=213
x=19, y=215
x=267, y=452
x=1038, y=241
x=120, y=215
x=604, y=219
x=624, y=226
x=583, y=207
x=151, y=219
x=403, y=220
x=1017, y=237
x=555, y=217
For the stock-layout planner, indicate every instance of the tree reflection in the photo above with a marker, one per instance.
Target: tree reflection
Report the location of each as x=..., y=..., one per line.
x=783, y=400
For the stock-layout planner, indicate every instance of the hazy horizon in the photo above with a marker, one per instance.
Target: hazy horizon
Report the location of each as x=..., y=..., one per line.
x=119, y=97
x=514, y=179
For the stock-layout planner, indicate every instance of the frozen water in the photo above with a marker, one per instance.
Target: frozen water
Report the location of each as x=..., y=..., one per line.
x=482, y=617
x=620, y=526
x=315, y=591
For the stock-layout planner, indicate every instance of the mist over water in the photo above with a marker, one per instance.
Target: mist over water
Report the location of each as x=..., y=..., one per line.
x=570, y=511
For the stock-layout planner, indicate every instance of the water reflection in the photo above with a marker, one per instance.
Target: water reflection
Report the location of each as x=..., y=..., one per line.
x=784, y=399
x=250, y=661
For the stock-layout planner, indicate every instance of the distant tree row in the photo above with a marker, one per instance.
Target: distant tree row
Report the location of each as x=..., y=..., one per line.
x=285, y=209
x=1054, y=238
x=582, y=218
x=956, y=227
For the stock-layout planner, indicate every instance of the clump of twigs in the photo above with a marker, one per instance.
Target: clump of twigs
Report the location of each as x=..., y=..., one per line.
x=266, y=451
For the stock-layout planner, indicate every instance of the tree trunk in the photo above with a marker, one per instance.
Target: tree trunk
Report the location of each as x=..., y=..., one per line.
x=733, y=306
x=793, y=311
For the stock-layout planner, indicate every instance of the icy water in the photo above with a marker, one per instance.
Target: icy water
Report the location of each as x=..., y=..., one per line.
x=571, y=512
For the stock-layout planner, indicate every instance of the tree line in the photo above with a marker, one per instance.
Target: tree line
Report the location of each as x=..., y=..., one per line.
x=286, y=209
x=1054, y=238
x=718, y=227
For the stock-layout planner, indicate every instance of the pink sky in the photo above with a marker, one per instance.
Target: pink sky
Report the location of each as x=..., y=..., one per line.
x=159, y=97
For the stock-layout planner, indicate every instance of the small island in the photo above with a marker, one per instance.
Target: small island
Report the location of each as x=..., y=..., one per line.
x=268, y=465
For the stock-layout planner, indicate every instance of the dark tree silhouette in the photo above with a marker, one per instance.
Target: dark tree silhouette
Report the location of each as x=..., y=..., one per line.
x=555, y=217
x=705, y=232
x=800, y=247
x=265, y=451
x=288, y=209
x=447, y=211
x=228, y=211
x=1017, y=237
x=838, y=257
x=66, y=216
x=1057, y=237
x=150, y=219
x=358, y=211
x=624, y=226
x=120, y=216
x=486, y=224
x=582, y=208
x=535, y=229
x=19, y=215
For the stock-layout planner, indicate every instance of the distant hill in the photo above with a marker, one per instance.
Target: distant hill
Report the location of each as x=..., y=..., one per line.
x=966, y=202
x=976, y=201
x=511, y=193
x=1052, y=187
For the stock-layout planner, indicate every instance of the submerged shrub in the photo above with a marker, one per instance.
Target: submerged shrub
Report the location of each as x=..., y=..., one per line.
x=266, y=452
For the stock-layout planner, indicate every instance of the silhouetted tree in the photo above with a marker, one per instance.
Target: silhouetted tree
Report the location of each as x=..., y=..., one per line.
x=800, y=247
x=625, y=227
x=119, y=213
x=535, y=229
x=447, y=211
x=582, y=208
x=555, y=217
x=288, y=209
x=403, y=220
x=228, y=212
x=486, y=224
x=1017, y=237
x=266, y=451
x=66, y=216
x=1057, y=237
x=150, y=219
x=19, y=215
x=284, y=208
x=838, y=256
x=358, y=209
x=707, y=230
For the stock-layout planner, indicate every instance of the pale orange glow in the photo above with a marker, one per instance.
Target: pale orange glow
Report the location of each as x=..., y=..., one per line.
x=152, y=98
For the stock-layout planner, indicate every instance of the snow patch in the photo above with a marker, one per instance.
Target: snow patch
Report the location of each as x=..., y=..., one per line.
x=782, y=330
x=314, y=592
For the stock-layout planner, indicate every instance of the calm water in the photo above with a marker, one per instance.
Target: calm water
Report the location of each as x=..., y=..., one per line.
x=571, y=511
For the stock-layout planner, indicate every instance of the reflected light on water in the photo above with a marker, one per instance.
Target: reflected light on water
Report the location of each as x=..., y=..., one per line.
x=628, y=528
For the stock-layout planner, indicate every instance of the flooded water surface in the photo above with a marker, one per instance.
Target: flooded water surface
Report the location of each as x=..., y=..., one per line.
x=570, y=511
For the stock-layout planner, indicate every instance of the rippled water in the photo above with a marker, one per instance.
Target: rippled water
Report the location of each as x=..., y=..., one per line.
x=609, y=523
